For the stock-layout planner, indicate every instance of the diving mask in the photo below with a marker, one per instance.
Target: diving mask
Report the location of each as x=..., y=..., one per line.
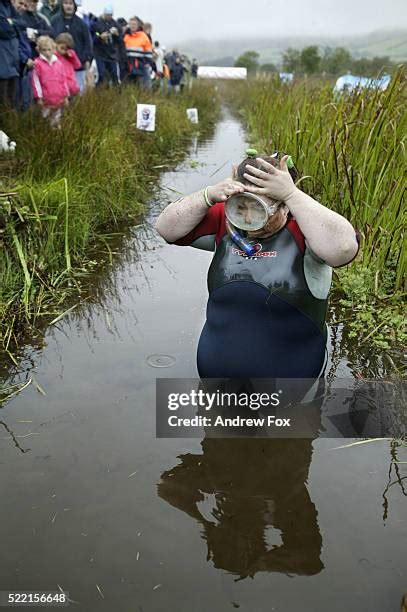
x=248, y=211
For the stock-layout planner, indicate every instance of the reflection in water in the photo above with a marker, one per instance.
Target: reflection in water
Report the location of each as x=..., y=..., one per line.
x=398, y=479
x=13, y=437
x=103, y=284
x=256, y=486
x=100, y=303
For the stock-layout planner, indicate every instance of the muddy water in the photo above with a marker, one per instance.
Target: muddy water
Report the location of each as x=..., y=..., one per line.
x=93, y=502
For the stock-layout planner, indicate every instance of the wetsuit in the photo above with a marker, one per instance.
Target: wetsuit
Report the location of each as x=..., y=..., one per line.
x=266, y=313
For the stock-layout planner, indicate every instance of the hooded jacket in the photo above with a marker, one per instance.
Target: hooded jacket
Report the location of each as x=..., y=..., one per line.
x=49, y=81
x=9, y=52
x=176, y=74
x=79, y=32
x=109, y=49
x=38, y=23
x=138, y=46
x=48, y=12
x=70, y=62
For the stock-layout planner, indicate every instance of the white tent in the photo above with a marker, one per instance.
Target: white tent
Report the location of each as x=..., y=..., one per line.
x=349, y=82
x=286, y=77
x=220, y=72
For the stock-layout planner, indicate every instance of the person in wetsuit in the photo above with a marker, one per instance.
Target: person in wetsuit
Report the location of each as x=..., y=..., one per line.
x=266, y=310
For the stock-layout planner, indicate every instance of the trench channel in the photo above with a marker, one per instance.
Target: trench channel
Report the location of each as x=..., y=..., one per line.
x=92, y=502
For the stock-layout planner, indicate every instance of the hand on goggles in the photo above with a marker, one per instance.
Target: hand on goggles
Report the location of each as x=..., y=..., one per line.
x=223, y=190
x=271, y=182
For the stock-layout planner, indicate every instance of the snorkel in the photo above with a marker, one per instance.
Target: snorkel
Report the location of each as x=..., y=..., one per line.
x=243, y=244
x=248, y=212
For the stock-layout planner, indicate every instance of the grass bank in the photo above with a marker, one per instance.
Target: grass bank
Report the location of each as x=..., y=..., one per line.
x=64, y=192
x=352, y=152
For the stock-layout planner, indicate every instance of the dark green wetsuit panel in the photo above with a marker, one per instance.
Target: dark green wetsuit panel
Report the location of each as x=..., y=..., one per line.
x=262, y=318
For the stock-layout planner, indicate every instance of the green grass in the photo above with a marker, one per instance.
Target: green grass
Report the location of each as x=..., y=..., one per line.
x=65, y=189
x=352, y=151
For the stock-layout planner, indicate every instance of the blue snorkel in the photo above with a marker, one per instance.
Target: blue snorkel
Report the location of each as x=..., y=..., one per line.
x=249, y=212
x=243, y=244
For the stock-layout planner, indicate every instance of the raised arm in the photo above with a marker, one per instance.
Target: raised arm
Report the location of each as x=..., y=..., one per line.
x=180, y=217
x=329, y=235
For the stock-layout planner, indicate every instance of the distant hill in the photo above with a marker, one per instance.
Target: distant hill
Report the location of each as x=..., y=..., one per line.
x=392, y=43
x=395, y=46
x=227, y=61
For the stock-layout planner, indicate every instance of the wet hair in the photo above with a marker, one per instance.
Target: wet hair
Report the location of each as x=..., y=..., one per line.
x=65, y=39
x=252, y=161
x=274, y=161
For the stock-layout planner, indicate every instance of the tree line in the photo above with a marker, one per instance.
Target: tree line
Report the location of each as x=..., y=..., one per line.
x=312, y=60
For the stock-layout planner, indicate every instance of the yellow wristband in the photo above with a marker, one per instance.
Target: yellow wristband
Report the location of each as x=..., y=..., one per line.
x=207, y=202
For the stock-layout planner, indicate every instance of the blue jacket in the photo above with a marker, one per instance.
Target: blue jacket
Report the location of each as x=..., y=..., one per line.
x=176, y=74
x=9, y=54
x=36, y=22
x=107, y=50
x=79, y=32
x=24, y=50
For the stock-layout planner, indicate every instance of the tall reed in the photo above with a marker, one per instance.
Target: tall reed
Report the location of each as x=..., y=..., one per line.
x=66, y=188
x=351, y=150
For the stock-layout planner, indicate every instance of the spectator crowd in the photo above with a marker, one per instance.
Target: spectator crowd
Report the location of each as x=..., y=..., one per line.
x=52, y=53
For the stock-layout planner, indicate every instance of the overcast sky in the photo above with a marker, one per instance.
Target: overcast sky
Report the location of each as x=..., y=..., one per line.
x=180, y=20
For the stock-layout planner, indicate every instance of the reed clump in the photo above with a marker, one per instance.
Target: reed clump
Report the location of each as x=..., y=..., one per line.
x=65, y=188
x=351, y=150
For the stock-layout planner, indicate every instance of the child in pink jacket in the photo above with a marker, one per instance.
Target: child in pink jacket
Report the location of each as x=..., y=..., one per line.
x=69, y=60
x=49, y=83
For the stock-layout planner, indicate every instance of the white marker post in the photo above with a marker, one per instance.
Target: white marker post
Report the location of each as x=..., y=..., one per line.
x=146, y=117
x=192, y=114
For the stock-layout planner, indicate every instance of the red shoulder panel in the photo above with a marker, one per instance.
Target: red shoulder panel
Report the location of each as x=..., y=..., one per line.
x=297, y=234
x=222, y=222
x=212, y=224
